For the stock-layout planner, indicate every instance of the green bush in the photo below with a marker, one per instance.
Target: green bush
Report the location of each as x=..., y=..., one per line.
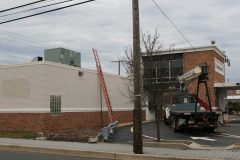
x=234, y=106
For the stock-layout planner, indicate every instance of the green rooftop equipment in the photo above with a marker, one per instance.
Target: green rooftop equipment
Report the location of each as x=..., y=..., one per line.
x=63, y=56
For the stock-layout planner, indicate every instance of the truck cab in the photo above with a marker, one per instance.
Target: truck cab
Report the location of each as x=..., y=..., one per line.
x=181, y=114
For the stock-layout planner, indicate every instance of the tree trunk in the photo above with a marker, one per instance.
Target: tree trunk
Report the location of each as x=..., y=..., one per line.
x=158, y=102
x=157, y=118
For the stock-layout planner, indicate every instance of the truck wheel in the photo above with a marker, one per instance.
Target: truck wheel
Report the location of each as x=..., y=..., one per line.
x=165, y=120
x=176, y=125
x=210, y=129
x=172, y=121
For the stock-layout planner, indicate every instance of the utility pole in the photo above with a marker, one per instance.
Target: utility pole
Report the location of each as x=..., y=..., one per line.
x=119, y=66
x=137, y=111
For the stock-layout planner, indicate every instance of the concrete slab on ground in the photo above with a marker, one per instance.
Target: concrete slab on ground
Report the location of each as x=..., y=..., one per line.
x=113, y=151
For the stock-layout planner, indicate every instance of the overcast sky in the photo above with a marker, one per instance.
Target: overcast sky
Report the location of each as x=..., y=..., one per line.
x=107, y=26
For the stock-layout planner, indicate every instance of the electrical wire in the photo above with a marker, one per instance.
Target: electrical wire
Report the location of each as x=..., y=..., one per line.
x=24, y=38
x=35, y=43
x=102, y=58
x=32, y=40
x=42, y=44
x=52, y=10
x=174, y=25
x=11, y=55
x=32, y=9
x=24, y=5
x=25, y=43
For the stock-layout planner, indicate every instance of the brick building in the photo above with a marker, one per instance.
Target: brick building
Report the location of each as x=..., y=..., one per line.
x=233, y=93
x=227, y=92
x=47, y=96
x=164, y=67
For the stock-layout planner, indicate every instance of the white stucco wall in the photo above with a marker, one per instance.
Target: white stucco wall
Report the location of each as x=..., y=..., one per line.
x=27, y=88
x=22, y=88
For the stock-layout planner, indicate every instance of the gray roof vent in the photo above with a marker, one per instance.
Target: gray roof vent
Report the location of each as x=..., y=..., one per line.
x=213, y=42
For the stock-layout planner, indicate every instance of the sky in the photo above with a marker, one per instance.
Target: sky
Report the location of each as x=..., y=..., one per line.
x=107, y=26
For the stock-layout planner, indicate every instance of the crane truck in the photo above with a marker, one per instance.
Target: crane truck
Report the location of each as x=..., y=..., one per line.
x=188, y=110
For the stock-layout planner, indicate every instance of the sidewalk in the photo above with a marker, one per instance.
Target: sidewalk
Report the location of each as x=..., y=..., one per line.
x=112, y=151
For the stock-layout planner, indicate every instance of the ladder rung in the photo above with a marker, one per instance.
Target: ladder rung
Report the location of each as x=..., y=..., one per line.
x=103, y=84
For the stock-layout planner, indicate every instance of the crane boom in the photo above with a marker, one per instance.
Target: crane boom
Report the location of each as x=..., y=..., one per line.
x=198, y=72
x=190, y=75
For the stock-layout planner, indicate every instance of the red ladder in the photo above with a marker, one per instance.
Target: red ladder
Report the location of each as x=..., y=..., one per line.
x=103, y=84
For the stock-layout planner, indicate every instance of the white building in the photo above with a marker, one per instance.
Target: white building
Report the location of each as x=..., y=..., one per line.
x=50, y=96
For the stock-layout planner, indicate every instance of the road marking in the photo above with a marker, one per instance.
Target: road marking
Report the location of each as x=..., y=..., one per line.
x=204, y=138
x=149, y=137
x=230, y=135
x=233, y=125
x=131, y=129
x=225, y=135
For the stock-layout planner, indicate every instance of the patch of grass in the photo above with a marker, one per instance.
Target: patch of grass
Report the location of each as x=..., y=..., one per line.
x=18, y=134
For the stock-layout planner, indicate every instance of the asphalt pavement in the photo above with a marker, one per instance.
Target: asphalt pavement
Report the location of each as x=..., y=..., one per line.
x=121, y=149
x=109, y=151
x=14, y=155
x=227, y=135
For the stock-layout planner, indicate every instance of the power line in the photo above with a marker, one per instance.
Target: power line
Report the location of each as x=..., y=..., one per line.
x=15, y=38
x=11, y=55
x=174, y=25
x=24, y=5
x=56, y=9
x=102, y=58
x=27, y=39
x=44, y=45
x=25, y=43
x=36, y=8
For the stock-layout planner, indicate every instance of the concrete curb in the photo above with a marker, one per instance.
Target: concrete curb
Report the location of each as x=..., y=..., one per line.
x=131, y=123
x=236, y=147
x=94, y=154
x=175, y=145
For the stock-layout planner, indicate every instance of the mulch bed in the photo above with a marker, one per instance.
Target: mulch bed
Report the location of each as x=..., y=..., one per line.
x=78, y=135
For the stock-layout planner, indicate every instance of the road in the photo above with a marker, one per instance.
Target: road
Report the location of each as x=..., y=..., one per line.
x=10, y=155
x=224, y=136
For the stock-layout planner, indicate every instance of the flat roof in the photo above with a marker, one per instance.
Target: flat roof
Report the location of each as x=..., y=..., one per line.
x=229, y=86
x=56, y=65
x=189, y=50
x=233, y=97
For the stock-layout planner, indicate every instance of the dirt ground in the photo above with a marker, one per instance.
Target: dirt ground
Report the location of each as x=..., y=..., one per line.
x=78, y=135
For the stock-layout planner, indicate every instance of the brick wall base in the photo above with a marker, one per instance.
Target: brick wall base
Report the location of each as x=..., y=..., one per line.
x=46, y=122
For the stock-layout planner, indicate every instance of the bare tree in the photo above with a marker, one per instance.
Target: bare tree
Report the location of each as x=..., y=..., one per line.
x=150, y=43
x=127, y=62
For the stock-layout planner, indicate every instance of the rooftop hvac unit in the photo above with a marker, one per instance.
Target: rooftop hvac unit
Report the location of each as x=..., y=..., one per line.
x=64, y=56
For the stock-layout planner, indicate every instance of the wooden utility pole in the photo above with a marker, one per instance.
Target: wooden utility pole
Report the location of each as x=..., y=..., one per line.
x=137, y=111
x=119, y=66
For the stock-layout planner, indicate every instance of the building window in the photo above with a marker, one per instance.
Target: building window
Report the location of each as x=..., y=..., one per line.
x=55, y=105
x=176, y=68
x=162, y=74
x=229, y=91
x=237, y=91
